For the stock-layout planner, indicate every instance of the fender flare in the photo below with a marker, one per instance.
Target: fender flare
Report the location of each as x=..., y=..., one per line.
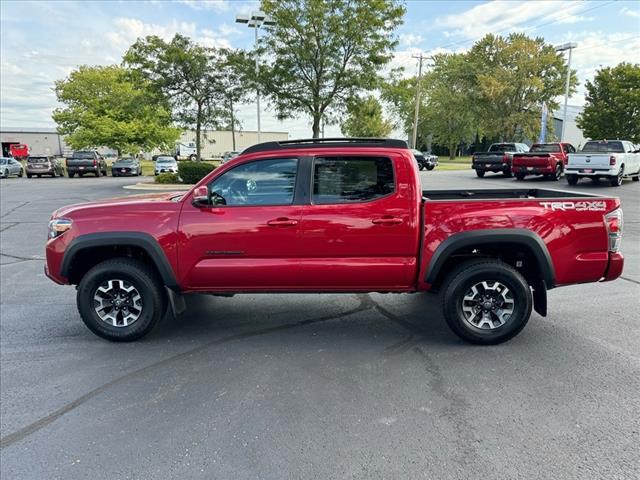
x=135, y=239
x=493, y=237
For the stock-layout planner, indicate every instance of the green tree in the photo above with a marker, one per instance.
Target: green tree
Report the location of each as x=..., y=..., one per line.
x=613, y=104
x=235, y=74
x=324, y=52
x=106, y=106
x=513, y=76
x=187, y=74
x=448, y=113
x=399, y=95
x=364, y=119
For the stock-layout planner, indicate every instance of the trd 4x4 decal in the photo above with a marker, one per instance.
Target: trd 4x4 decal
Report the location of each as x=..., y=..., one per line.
x=597, y=206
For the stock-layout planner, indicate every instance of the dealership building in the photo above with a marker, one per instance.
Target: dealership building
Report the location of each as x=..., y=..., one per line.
x=47, y=141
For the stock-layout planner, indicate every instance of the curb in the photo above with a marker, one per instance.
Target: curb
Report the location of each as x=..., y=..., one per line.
x=159, y=187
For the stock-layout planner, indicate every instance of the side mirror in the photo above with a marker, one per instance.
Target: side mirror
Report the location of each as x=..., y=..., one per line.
x=201, y=197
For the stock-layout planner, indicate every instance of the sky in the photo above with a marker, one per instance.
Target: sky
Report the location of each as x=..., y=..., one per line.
x=41, y=42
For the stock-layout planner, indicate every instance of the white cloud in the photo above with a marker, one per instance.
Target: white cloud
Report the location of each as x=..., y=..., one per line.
x=630, y=13
x=500, y=16
x=216, y=5
x=127, y=30
x=410, y=39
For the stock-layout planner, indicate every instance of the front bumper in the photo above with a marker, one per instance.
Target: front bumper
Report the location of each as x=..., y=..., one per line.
x=120, y=172
x=166, y=170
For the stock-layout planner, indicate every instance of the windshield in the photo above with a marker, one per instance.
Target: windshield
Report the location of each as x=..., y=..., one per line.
x=551, y=147
x=502, y=147
x=125, y=160
x=166, y=160
x=603, y=147
x=37, y=160
x=83, y=155
x=3, y=161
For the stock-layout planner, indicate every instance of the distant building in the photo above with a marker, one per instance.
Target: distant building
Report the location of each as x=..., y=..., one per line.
x=47, y=141
x=216, y=142
x=572, y=133
x=41, y=141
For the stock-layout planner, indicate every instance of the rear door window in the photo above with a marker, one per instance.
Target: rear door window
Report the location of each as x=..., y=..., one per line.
x=351, y=179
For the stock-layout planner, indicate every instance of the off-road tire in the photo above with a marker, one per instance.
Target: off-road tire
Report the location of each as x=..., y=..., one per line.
x=470, y=273
x=480, y=173
x=138, y=274
x=520, y=176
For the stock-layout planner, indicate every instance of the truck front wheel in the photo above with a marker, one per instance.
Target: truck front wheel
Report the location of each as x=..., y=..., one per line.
x=121, y=299
x=486, y=301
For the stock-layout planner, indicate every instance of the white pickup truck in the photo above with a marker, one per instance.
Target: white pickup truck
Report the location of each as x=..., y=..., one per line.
x=610, y=159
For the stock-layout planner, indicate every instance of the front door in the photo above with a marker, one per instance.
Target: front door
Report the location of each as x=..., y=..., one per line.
x=359, y=232
x=248, y=239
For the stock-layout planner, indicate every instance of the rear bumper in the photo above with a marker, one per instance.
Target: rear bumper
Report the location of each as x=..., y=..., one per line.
x=523, y=169
x=491, y=167
x=39, y=171
x=591, y=172
x=90, y=169
x=614, y=268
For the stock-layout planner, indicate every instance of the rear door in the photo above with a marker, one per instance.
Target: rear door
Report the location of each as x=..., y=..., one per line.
x=249, y=240
x=359, y=232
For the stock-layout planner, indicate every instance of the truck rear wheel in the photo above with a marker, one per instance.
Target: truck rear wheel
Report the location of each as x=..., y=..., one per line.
x=572, y=179
x=121, y=299
x=480, y=173
x=616, y=180
x=486, y=301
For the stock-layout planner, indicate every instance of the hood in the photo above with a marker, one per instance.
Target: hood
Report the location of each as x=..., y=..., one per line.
x=120, y=202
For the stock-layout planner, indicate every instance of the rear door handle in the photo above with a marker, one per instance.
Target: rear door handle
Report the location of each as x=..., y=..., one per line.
x=282, y=222
x=387, y=221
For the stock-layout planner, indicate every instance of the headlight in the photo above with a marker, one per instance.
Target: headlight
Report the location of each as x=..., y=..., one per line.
x=58, y=226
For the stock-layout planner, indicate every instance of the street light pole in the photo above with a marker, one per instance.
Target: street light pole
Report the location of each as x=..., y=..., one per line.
x=562, y=48
x=256, y=20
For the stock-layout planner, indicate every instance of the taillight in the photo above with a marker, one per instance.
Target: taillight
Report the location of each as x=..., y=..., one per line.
x=612, y=160
x=95, y=162
x=614, y=222
x=505, y=158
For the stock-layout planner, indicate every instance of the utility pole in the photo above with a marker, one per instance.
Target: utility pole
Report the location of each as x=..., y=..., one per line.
x=414, y=136
x=562, y=48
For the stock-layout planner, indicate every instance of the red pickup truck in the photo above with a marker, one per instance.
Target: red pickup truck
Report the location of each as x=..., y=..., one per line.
x=548, y=159
x=332, y=215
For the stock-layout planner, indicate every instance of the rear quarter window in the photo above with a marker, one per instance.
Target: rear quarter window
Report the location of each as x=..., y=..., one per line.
x=352, y=179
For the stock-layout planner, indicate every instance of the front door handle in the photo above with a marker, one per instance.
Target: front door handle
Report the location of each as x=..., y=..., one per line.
x=282, y=222
x=387, y=221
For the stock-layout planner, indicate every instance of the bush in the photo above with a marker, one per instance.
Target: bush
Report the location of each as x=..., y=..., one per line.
x=168, y=178
x=193, y=172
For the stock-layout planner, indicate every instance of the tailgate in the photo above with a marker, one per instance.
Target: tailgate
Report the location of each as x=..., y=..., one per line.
x=534, y=160
x=589, y=160
x=80, y=162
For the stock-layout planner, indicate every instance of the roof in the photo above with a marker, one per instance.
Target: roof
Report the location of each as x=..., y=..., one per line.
x=49, y=130
x=326, y=143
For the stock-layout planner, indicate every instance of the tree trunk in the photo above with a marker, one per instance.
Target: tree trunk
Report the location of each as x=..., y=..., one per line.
x=452, y=151
x=317, y=117
x=198, y=128
x=233, y=126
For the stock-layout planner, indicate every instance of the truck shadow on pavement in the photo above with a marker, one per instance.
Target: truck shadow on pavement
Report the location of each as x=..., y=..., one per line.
x=420, y=318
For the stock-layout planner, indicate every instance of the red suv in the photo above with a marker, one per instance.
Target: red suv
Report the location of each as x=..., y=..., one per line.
x=332, y=215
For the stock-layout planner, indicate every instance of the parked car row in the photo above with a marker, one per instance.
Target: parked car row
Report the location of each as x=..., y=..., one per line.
x=613, y=160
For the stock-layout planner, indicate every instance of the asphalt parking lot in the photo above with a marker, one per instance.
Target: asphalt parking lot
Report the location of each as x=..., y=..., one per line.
x=312, y=386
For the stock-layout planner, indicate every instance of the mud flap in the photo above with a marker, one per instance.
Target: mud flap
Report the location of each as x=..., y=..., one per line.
x=176, y=302
x=540, y=297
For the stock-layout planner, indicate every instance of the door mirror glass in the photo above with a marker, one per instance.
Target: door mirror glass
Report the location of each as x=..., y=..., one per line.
x=201, y=197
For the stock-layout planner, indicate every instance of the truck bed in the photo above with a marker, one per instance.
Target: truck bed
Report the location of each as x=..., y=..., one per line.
x=501, y=193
